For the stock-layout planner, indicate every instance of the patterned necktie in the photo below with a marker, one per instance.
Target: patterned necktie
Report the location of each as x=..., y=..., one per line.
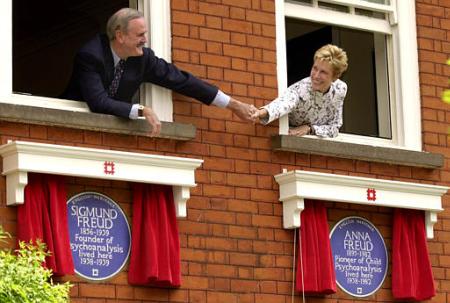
x=118, y=71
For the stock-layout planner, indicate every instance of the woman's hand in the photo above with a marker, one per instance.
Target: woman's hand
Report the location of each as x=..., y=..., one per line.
x=243, y=110
x=260, y=113
x=300, y=130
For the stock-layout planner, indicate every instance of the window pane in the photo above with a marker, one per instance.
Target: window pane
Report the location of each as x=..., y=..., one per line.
x=387, y=2
x=333, y=7
x=371, y=14
x=366, y=106
x=46, y=35
x=309, y=2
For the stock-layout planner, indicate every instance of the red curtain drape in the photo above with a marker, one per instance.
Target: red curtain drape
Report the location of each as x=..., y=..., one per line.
x=44, y=216
x=318, y=268
x=412, y=278
x=155, y=246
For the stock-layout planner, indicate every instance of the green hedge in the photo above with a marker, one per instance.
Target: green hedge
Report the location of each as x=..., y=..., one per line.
x=23, y=279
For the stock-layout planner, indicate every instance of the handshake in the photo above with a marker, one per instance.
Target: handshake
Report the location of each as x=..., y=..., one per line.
x=249, y=113
x=246, y=112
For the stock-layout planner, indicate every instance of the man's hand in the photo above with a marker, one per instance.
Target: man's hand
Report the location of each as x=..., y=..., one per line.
x=300, y=130
x=242, y=110
x=153, y=120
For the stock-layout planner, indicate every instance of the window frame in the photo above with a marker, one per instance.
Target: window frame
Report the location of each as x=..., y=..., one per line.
x=403, y=70
x=157, y=15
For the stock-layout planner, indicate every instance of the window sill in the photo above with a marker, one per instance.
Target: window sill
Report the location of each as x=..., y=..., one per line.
x=91, y=121
x=357, y=151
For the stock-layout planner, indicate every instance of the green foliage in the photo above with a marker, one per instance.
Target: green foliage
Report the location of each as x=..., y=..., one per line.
x=23, y=279
x=446, y=94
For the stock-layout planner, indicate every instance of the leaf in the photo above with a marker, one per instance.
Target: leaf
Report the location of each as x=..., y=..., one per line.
x=23, y=278
x=446, y=96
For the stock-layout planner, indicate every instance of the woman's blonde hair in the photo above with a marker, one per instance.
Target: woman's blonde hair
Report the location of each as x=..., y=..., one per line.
x=334, y=55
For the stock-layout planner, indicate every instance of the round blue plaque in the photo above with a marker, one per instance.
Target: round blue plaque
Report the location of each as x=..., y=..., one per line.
x=99, y=235
x=359, y=255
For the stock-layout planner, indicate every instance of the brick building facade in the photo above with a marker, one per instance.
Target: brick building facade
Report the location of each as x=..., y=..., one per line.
x=233, y=245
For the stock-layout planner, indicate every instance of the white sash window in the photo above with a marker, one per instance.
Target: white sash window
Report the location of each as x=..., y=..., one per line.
x=382, y=106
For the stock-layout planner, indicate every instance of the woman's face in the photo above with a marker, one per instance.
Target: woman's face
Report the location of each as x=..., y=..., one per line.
x=321, y=76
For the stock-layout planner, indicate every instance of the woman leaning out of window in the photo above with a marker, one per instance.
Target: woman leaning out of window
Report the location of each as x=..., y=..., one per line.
x=315, y=103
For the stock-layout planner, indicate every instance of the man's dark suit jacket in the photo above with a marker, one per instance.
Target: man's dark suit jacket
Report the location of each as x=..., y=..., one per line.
x=93, y=72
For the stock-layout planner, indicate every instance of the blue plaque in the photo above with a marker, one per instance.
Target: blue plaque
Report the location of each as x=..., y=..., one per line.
x=99, y=236
x=359, y=255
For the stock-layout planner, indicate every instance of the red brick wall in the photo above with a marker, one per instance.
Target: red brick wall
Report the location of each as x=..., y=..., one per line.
x=433, y=31
x=233, y=246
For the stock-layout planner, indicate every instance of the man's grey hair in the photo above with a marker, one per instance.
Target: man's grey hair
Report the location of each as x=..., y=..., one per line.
x=120, y=21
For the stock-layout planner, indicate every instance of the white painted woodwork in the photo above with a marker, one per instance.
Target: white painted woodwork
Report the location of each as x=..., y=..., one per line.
x=326, y=16
x=295, y=186
x=283, y=123
x=6, y=61
x=407, y=76
x=20, y=158
x=157, y=15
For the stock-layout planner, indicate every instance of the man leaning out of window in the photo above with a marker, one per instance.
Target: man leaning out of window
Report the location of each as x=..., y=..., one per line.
x=314, y=104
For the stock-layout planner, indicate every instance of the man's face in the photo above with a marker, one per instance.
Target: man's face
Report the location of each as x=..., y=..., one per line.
x=135, y=38
x=321, y=76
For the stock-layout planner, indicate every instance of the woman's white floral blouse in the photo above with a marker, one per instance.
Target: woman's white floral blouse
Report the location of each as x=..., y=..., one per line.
x=322, y=111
